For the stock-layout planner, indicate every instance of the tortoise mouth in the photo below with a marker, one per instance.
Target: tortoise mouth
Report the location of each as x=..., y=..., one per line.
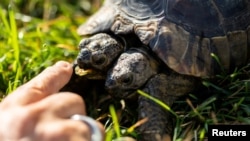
x=89, y=73
x=122, y=94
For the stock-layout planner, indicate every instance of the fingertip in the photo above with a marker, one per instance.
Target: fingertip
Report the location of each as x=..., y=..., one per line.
x=55, y=76
x=63, y=69
x=63, y=64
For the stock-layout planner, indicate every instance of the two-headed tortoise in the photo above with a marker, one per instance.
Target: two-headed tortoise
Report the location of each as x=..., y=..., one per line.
x=186, y=35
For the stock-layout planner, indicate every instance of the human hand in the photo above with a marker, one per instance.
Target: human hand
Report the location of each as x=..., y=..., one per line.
x=36, y=111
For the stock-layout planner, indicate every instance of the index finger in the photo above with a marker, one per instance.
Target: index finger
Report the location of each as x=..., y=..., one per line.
x=50, y=81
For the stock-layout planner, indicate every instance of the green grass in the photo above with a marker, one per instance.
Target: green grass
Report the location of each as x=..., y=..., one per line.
x=29, y=44
x=38, y=33
x=225, y=100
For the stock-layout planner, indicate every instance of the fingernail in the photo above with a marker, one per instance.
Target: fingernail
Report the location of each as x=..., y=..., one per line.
x=63, y=64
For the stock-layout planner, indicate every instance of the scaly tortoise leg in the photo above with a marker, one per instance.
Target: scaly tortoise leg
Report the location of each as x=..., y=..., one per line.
x=165, y=88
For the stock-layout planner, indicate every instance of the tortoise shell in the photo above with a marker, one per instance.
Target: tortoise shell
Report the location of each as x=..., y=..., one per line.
x=192, y=37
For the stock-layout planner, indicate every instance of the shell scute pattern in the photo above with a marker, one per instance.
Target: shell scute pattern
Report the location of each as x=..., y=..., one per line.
x=182, y=33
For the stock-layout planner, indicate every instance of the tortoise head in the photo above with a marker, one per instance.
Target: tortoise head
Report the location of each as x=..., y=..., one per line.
x=131, y=71
x=98, y=51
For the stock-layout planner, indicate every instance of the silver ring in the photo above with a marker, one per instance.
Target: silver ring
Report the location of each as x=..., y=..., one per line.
x=95, y=131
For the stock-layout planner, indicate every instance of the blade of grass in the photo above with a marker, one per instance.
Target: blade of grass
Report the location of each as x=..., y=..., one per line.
x=206, y=103
x=115, y=121
x=236, y=105
x=177, y=129
x=209, y=84
x=4, y=20
x=195, y=110
x=202, y=134
x=138, y=123
x=162, y=104
x=109, y=135
x=15, y=45
x=214, y=56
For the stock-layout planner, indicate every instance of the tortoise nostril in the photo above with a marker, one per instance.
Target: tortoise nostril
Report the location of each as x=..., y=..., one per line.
x=83, y=57
x=84, y=54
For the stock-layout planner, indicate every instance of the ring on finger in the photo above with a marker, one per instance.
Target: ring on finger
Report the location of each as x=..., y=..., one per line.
x=96, y=134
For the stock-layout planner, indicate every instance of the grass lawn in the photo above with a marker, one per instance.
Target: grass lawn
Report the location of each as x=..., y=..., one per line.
x=35, y=34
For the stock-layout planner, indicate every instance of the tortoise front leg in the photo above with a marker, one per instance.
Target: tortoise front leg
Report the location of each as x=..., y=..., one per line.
x=165, y=88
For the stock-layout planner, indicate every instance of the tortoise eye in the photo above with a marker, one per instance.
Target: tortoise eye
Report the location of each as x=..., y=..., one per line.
x=127, y=79
x=99, y=60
